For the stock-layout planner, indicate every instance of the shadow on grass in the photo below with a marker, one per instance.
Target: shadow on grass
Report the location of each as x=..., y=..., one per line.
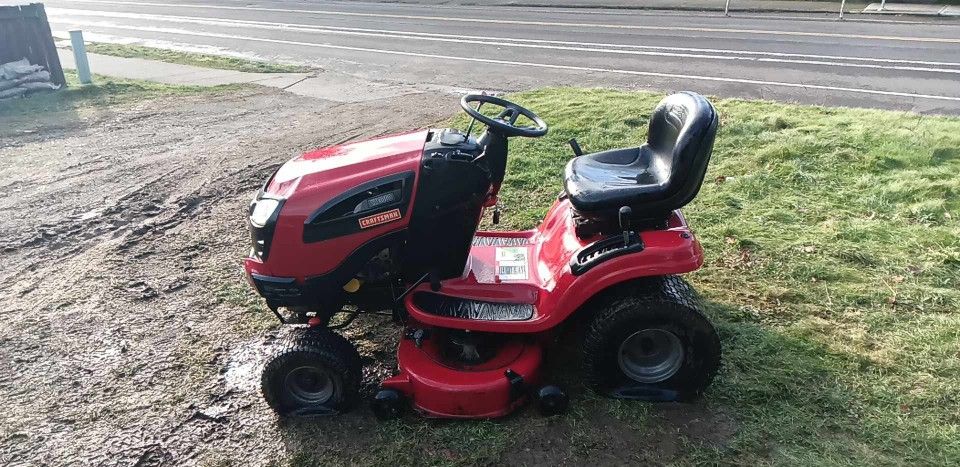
x=777, y=399
x=784, y=393
x=71, y=103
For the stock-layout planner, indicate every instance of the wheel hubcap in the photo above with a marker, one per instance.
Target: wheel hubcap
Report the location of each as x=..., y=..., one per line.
x=310, y=385
x=650, y=355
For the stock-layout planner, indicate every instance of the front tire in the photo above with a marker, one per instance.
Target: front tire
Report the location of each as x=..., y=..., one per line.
x=651, y=342
x=314, y=372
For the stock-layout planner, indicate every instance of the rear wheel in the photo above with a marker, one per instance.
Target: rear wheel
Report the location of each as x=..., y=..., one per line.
x=314, y=372
x=651, y=342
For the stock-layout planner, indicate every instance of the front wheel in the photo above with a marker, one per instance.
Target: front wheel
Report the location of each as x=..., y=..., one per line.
x=314, y=372
x=651, y=342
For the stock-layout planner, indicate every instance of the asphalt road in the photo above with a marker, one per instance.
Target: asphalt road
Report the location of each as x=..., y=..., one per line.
x=906, y=65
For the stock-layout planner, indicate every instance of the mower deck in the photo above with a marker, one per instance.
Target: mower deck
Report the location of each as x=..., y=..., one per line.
x=438, y=386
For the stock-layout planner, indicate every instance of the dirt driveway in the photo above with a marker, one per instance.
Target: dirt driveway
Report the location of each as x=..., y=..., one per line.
x=121, y=236
x=128, y=337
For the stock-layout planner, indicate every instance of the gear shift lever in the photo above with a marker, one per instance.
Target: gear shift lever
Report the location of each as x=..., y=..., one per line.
x=624, y=217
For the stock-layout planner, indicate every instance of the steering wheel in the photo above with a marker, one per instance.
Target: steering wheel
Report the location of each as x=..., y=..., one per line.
x=505, y=122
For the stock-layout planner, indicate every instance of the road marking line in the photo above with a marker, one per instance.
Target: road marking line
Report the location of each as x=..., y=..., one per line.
x=544, y=65
x=504, y=41
x=636, y=12
x=540, y=23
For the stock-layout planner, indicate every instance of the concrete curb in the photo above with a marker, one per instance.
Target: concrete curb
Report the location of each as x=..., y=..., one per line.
x=741, y=6
x=830, y=7
x=682, y=8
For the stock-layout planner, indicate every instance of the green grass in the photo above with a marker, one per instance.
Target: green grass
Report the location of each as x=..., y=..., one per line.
x=190, y=58
x=105, y=91
x=833, y=269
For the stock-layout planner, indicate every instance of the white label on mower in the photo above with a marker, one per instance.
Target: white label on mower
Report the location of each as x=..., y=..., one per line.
x=512, y=263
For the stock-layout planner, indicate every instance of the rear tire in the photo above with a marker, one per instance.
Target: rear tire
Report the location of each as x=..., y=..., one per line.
x=314, y=372
x=651, y=342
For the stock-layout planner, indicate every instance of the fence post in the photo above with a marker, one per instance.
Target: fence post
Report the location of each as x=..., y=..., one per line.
x=726, y=9
x=80, y=56
x=842, y=4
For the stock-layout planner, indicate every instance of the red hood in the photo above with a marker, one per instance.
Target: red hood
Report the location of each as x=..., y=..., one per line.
x=353, y=160
x=310, y=181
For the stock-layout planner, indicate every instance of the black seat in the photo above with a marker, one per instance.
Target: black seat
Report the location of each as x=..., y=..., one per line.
x=662, y=175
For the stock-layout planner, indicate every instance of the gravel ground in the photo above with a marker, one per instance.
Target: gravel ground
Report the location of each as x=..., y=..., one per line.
x=127, y=336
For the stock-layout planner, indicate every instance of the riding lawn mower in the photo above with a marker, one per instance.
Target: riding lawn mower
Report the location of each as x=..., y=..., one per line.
x=389, y=226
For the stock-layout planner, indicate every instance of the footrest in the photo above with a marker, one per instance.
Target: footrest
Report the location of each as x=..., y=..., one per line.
x=453, y=307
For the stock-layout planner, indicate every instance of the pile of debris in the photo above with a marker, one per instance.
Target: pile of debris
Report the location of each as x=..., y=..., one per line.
x=21, y=77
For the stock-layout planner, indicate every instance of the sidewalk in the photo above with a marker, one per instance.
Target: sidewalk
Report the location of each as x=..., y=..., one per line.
x=325, y=85
x=798, y=6
x=913, y=9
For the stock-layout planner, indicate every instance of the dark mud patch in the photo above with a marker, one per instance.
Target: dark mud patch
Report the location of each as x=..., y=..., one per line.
x=695, y=423
x=604, y=432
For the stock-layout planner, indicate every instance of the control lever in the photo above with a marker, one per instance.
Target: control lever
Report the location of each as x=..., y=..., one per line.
x=624, y=217
x=575, y=146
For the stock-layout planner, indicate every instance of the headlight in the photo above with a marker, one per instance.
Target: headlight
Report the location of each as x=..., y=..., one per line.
x=263, y=210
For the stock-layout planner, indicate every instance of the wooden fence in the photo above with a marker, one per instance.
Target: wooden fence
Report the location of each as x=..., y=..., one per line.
x=25, y=32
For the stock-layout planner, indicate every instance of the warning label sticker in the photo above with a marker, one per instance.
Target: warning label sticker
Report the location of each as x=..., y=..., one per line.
x=512, y=263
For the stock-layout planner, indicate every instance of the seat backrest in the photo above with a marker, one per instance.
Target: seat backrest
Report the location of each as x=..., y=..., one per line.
x=681, y=134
